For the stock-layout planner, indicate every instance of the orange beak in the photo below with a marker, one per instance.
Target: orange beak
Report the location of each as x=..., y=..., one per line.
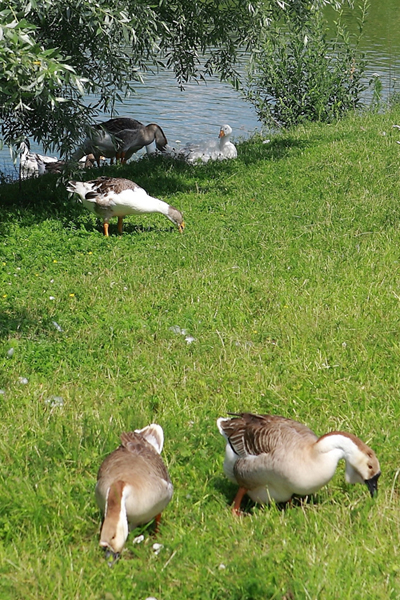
x=221, y=133
x=181, y=227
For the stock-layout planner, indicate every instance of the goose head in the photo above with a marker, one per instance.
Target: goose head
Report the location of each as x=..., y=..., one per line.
x=24, y=147
x=225, y=131
x=176, y=217
x=159, y=137
x=362, y=466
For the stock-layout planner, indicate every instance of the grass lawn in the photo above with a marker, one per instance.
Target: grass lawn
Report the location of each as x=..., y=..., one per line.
x=288, y=278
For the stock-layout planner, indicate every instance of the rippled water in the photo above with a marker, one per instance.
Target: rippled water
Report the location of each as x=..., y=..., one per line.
x=198, y=111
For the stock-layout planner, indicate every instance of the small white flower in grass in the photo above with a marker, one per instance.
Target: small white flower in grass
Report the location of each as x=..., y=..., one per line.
x=57, y=326
x=189, y=339
x=23, y=380
x=157, y=548
x=138, y=539
x=51, y=298
x=54, y=401
x=51, y=280
x=10, y=352
x=177, y=329
x=2, y=392
x=222, y=567
x=151, y=598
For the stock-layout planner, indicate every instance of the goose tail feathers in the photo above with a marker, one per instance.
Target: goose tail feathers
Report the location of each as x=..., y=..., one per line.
x=154, y=434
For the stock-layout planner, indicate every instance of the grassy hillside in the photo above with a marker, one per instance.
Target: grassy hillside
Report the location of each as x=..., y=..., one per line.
x=288, y=278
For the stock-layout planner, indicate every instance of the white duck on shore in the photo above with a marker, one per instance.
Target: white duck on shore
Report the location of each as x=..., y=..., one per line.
x=109, y=197
x=133, y=486
x=33, y=164
x=120, y=138
x=219, y=149
x=272, y=458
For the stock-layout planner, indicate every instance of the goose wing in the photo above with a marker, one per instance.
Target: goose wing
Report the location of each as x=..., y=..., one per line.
x=104, y=190
x=118, y=124
x=251, y=434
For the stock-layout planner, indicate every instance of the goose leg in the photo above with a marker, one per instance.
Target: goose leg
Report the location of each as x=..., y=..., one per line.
x=120, y=224
x=158, y=521
x=238, y=499
x=105, y=228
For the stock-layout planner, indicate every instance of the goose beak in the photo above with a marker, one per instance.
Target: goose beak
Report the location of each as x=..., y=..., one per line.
x=221, y=133
x=372, y=484
x=181, y=227
x=111, y=556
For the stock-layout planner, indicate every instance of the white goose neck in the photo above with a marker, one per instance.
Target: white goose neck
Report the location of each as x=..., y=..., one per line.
x=120, y=522
x=223, y=141
x=158, y=206
x=338, y=443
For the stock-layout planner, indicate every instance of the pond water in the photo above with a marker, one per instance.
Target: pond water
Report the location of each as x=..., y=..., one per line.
x=198, y=111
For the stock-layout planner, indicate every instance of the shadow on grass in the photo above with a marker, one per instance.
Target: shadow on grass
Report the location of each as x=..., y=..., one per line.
x=36, y=200
x=15, y=323
x=229, y=490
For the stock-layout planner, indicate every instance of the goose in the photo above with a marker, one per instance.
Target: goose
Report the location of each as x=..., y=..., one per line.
x=121, y=137
x=272, y=458
x=31, y=163
x=220, y=149
x=86, y=162
x=133, y=486
x=117, y=197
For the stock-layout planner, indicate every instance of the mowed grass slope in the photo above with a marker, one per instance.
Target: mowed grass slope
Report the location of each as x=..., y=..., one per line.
x=288, y=278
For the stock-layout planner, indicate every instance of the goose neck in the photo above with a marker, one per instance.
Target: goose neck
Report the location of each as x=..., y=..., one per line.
x=158, y=206
x=337, y=443
x=115, y=525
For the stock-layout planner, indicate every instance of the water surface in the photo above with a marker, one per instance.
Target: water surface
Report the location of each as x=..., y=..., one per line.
x=197, y=112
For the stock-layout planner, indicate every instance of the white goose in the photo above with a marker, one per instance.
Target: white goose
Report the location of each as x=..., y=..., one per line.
x=86, y=162
x=220, y=149
x=272, y=458
x=121, y=137
x=31, y=163
x=117, y=197
x=133, y=486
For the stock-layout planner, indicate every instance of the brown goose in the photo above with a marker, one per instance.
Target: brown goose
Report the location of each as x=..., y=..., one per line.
x=133, y=486
x=121, y=137
x=272, y=458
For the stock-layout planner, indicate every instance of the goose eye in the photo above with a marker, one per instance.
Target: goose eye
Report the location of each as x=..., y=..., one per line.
x=369, y=466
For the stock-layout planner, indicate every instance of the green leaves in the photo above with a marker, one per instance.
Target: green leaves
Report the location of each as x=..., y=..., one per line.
x=56, y=56
x=300, y=74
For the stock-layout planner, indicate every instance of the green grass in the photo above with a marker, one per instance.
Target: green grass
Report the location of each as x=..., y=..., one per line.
x=288, y=278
